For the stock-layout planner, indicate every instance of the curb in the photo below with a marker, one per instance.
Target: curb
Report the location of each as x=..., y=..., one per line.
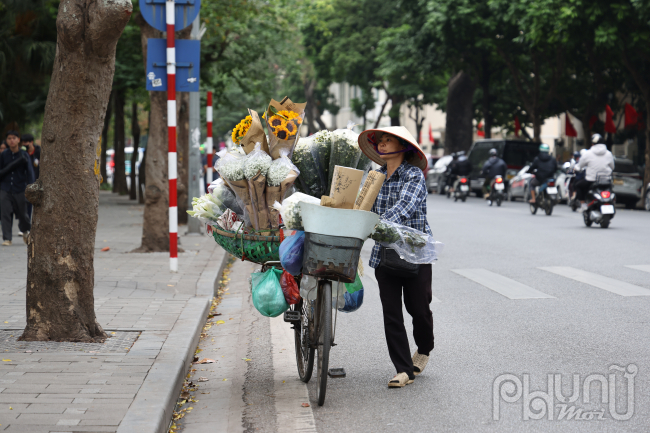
x=153, y=406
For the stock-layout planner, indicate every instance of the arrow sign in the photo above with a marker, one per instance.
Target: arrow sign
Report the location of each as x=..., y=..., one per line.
x=188, y=62
x=154, y=13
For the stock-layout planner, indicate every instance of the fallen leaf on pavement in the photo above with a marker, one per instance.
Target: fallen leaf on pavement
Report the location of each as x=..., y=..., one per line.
x=203, y=379
x=305, y=405
x=206, y=361
x=106, y=249
x=220, y=322
x=6, y=360
x=225, y=380
x=185, y=394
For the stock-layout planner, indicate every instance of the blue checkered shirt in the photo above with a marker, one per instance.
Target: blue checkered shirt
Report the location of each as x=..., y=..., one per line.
x=403, y=200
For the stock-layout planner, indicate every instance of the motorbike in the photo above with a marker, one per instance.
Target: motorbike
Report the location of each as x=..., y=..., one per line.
x=461, y=188
x=545, y=198
x=600, y=203
x=497, y=191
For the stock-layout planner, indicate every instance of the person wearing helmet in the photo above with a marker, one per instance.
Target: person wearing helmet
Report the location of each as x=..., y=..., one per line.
x=595, y=161
x=543, y=168
x=461, y=168
x=492, y=168
x=451, y=167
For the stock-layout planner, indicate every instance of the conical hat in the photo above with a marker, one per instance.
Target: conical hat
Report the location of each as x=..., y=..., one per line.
x=369, y=137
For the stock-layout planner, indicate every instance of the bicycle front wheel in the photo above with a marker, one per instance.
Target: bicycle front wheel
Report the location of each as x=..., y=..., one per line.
x=324, y=337
x=304, y=353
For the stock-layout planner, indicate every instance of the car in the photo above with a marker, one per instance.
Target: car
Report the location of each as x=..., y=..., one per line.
x=626, y=183
x=515, y=153
x=518, y=185
x=436, y=176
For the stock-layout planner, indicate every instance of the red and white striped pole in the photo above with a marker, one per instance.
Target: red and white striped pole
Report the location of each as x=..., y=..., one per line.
x=171, y=136
x=209, y=144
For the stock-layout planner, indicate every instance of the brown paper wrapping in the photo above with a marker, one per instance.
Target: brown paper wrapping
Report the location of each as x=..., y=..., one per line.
x=345, y=186
x=275, y=144
x=255, y=134
x=370, y=190
x=256, y=186
x=276, y=193
x=240, y=187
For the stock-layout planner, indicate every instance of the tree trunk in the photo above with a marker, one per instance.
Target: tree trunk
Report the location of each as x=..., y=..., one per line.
x=135, y=132
x=459, y=128
x=646, y=175
x=485, y=84
x=60, y=272
x=311, y=107
x=142, y=174
x=107, y=124
x=394, y=112
x=119, y=135
x=183, y=149
x=537, y=126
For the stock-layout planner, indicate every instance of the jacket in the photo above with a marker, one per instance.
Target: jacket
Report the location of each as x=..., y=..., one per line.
x=493, y=167
x=543, y=167
x=462, y=167
x=20, y=175
x=597, y=160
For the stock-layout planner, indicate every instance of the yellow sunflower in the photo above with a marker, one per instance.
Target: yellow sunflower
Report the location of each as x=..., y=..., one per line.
x=241, y=129
x=282, y=133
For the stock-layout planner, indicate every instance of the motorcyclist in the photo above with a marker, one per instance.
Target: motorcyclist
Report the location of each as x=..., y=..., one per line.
x=449, y=179
x=461, y=168
x=578, y=175
x=492, y=168
x=543, y=167
x=596, y=161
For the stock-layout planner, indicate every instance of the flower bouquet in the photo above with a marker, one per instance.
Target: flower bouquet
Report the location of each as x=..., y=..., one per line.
x=283, y=120
x=282, y=174
x=250, y=131
x=231, y=168
x=256, y=168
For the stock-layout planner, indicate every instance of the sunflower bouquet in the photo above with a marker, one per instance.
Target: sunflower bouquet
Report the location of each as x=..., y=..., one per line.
x=250, y=131
x=283, y=120
x=241, y=129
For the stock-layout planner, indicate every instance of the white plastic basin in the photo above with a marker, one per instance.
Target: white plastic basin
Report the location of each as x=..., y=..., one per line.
x=348, y=223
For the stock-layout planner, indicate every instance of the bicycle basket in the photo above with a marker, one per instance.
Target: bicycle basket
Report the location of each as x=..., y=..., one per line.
x=254, y=248
x=331, y=257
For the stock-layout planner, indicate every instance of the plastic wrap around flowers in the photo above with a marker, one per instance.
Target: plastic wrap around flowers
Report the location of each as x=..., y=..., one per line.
x=285, y=124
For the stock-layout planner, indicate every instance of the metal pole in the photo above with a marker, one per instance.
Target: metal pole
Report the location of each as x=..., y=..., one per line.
x=195, y=166
x=171, y=136
x=208, y=115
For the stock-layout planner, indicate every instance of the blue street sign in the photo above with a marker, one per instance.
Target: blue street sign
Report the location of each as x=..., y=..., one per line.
x=153, y=12
x=188, y=58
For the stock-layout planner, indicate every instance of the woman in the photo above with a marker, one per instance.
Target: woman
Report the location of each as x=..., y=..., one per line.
x=402, y=199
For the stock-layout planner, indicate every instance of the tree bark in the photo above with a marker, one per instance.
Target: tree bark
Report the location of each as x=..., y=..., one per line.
x=459, y=128
x=485, y=84
x=60, y=272
x=183, y=149
x=309, y=85
x=135, y=132
x=119, y=138
x=107, y=124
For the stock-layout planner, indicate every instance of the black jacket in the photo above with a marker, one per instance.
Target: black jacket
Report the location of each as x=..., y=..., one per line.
x=462, y=167
x=493, y=167
x=543, y=167
x=16, y=171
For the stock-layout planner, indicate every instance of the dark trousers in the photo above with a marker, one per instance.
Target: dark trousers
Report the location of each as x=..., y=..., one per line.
x=15, y=203
x=417, y=297
x=582, y=188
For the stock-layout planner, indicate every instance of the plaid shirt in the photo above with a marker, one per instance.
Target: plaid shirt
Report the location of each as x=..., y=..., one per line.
x=403, y=200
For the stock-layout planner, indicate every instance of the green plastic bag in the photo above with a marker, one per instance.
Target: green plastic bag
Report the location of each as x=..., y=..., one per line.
x=267, y=293
x=354, y=287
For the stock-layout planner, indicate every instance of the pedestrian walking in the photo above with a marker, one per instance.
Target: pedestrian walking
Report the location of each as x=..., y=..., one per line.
x=402, y=199
x=15, y=174
x=34, y=152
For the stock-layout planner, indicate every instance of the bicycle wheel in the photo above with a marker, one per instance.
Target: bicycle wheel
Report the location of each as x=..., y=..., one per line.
x=324, y=327
x=304, y=354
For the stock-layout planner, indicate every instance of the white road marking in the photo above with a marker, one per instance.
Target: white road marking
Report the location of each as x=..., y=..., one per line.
x=644, y=268
x=504, y=286
x=290, y=391
x=610, y=284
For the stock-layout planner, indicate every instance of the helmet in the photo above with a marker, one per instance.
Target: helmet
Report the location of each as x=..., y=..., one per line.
x=460, y=153
x=493, y=152
x=544, y=148
x=597, y=139
x=576, y=154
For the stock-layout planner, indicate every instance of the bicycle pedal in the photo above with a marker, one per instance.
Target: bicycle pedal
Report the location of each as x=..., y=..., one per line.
x=336, y=373
x=292, y=316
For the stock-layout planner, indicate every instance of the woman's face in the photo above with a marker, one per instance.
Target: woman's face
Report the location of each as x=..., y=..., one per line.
x=387, y=144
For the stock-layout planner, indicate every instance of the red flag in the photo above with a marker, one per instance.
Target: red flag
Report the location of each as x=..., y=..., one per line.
x=592, y=120
x=631, y=116
x=517, y=126
x=480, y=131
x=431, y=139
x=569, y=130
x=609, y=120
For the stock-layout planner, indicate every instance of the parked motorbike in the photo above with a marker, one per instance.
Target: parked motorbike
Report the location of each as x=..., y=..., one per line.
x=545, y=197
x=461, y=188
x=600, y=202
x=497, y=191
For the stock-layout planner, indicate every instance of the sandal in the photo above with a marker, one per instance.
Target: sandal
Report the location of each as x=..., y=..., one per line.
x=400, y=380
x=419, y=362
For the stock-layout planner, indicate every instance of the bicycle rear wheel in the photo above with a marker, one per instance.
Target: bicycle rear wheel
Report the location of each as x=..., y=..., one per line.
x=304, y=353
x=324, y=326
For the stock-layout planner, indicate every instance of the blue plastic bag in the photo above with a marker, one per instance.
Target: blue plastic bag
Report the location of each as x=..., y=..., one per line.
x=291, y=250
x=353, y=301
x=268, y=298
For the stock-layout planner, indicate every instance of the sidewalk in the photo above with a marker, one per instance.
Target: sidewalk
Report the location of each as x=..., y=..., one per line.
x=131, y=382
